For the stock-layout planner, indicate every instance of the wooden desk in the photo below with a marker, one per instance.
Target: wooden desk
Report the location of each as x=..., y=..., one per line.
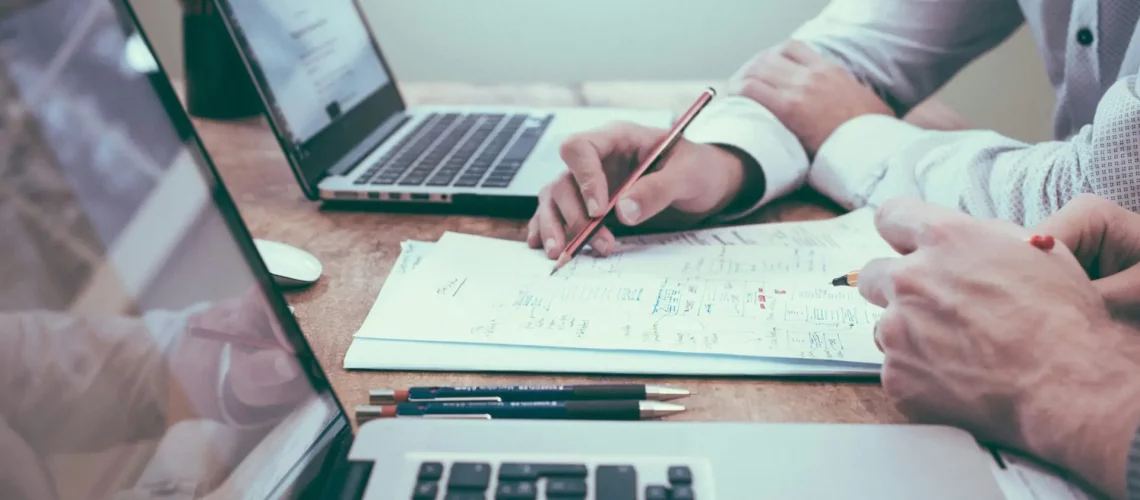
x=358, y=249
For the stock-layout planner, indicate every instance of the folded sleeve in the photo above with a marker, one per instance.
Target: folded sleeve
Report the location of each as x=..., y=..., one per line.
x=873, y=158
x=743, y=124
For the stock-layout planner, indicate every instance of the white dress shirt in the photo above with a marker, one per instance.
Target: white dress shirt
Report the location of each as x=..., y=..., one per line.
x=905, y=50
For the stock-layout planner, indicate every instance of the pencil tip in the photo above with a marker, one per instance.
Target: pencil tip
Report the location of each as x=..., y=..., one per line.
x=562, y=260
x=840, y=281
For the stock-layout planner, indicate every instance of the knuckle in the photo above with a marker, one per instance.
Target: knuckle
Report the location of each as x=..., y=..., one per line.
x=907, y=279
x=940, y=232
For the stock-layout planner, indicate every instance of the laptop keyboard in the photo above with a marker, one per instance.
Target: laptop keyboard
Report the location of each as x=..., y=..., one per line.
x=461, y=150
x=471, y=480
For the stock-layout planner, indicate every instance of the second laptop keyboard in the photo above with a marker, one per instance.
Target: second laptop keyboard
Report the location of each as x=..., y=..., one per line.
x=460, y=150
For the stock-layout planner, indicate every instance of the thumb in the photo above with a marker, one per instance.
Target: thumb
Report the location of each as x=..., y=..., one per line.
x=1121, y=294
x=649, y=196
x=264, y=378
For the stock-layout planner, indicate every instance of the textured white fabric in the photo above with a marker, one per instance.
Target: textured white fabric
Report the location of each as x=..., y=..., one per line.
x=906, y=50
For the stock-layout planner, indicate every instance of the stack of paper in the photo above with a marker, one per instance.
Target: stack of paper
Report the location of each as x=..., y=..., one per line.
x=746, y=300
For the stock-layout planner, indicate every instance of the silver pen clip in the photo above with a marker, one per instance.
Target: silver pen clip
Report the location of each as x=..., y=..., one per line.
x=475, y=416
x=475, y=399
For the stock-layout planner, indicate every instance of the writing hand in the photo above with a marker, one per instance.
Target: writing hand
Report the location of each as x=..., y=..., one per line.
x=810, y=95
x=1105, y=238
x=257, y=378
x=985, y=332
x=693, y=182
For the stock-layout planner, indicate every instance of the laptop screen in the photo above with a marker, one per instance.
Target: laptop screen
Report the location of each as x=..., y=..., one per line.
x=324, y=82
x=143, y=349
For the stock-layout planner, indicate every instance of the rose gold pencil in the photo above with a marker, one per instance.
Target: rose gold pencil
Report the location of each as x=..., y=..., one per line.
x=579, y=242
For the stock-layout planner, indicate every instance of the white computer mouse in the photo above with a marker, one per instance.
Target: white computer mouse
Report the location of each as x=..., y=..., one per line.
x=289, y=265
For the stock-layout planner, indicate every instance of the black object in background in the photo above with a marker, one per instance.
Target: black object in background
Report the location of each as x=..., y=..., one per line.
x=217, y=84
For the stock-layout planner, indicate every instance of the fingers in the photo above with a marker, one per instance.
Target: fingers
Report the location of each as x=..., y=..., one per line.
x=905, y=223
x=1121, y=293
x=876, y=283
x=550, y=223
x=265, y=378
x=1103, y=236
x=533, y=239
x=560, y=216
x=650, y=195
x=800, y=53
x=585, y=156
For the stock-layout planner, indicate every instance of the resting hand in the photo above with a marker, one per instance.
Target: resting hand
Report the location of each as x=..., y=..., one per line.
x=1106, y=240
x=693, y=182
x=810, y=95
x=986, y=332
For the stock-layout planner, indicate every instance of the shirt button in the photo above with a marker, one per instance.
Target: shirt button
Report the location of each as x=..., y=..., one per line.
x=1085, y=37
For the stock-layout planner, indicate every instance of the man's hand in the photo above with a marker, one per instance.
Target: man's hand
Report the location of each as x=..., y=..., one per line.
x=693, y=182
x=1106, y=240
x=986, y=332
x=261, y=383
x=808, y=94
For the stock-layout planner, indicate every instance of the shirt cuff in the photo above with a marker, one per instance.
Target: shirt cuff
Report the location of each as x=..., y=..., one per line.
x=744, y=124
x=851, y=163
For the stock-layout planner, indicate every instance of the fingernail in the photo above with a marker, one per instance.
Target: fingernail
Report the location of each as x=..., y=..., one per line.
x=592, y=207
x=629, y=210
x=602, y=246
x=549, y=243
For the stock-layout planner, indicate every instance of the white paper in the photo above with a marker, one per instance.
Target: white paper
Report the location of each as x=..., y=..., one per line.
x=771, y=300
x=367, y=353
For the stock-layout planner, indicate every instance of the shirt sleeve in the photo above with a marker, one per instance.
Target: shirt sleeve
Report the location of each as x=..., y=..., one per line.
x=906, y=50
x=873, y=158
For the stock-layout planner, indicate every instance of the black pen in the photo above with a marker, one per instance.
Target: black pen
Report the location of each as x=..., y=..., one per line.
x=568, y=410
x=502, y=393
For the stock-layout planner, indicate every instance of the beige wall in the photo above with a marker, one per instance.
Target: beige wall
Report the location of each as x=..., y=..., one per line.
x=490, y=41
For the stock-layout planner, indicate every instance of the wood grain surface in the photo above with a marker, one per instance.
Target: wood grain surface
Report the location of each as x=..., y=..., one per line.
x=358, y=249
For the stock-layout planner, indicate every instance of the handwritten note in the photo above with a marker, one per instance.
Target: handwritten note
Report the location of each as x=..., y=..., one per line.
x=758, y=300
x=412, y=253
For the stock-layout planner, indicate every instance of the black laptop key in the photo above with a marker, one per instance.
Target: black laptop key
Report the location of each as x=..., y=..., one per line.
x=566, y=488
x=656, y=492
x=520, y=472
x=516, y=491
x=413, y=180
x=384, y=181
x=430, y=471
x=467, y=182
x=465, y=495
x=683, y=492
x=521, y=148
x=615, y=482
x=426, y=490
x=680, y=474
x=469, y=476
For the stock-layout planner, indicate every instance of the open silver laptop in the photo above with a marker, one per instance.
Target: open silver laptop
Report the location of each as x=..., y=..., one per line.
x=337, y=111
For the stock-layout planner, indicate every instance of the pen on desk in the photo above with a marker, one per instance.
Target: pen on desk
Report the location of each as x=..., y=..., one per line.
x=596, y=392
x=567, y=410
x=663, y=148
x=1042, y=242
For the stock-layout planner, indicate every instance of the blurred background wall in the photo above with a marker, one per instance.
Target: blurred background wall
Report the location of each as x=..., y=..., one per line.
x=499, y=41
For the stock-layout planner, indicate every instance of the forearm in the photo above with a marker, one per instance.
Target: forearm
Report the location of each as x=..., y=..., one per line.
x=873, y=158
x=907, y=50
x=54, y=364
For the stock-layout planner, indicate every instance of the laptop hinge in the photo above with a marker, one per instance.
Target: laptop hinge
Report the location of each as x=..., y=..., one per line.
x=370, y=143
x=355, y=480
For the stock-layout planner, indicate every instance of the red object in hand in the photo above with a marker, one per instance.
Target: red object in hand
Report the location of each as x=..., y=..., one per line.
x=1044, y=242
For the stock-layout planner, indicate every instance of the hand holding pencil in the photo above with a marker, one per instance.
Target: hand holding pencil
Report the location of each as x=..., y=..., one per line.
x=690, y=183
